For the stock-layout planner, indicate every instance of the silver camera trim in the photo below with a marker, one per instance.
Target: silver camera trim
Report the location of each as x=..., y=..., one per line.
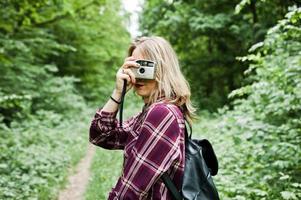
x=149, y=73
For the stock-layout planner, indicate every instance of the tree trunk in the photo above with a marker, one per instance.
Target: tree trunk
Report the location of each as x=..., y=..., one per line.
x=253, y=10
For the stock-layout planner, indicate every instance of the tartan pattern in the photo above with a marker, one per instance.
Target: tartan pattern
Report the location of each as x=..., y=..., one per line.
x=153, y=142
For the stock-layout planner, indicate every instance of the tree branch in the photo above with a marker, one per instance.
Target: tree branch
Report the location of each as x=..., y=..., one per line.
x=62, y=16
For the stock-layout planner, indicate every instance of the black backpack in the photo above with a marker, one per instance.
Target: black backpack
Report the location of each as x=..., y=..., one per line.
x=201, y=164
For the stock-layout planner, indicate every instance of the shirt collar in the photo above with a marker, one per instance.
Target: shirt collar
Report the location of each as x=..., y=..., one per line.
x=159, y=99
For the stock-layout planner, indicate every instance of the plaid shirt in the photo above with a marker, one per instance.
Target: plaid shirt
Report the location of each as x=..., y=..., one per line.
x=153, y=143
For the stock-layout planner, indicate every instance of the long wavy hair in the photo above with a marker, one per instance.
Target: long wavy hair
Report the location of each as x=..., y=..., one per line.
x=170, y=81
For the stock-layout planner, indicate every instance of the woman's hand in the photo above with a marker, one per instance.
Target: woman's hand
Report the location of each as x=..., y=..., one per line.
x=125, y=73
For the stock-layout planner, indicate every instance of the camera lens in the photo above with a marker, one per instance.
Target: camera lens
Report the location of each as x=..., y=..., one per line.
x=141, y=70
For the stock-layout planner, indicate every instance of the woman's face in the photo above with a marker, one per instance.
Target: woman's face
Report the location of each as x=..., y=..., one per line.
x=143, y=87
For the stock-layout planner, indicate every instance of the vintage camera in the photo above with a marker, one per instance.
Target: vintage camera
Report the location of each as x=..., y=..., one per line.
x=146, y=70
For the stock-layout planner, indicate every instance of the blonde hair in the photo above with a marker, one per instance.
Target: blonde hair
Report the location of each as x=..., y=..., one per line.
x=170, y=81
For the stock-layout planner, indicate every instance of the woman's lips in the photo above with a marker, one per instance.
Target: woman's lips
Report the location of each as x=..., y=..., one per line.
x=138, y=85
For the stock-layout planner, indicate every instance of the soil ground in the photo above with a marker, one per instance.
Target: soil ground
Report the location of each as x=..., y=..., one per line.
x=78, y=181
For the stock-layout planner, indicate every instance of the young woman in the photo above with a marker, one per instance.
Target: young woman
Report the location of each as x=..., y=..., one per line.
x=153, y=140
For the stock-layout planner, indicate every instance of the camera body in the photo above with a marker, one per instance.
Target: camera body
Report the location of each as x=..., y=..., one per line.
x=146, y=70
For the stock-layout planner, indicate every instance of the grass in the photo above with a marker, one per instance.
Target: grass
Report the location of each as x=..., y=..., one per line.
x=105, y=170
x=75, y=149
x=79, y=132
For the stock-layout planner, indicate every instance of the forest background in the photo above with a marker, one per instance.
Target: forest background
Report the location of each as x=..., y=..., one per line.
x=242, y=58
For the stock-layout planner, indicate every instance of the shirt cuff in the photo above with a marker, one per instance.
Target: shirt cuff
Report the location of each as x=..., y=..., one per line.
x=106, y=116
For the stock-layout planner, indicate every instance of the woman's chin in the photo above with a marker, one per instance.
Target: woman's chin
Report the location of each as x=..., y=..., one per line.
x=140, y=93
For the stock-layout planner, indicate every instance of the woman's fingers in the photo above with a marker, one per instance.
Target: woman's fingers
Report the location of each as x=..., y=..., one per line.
x=125, y=73
x=130, y=63
x=125, y=77
x=129, y=84
x=131, y=74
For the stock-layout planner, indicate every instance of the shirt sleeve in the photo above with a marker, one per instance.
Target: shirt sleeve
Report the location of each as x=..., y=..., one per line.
x=156, y=149
x=106, y=132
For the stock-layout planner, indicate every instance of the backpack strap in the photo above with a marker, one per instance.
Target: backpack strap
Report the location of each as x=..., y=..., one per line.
x=171, y=187
x=186, y=132
x=122, y=101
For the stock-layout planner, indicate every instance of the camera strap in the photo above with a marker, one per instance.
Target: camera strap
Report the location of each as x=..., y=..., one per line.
x=122, y=101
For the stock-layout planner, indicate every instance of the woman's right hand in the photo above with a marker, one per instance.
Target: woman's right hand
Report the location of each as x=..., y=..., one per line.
x=125, y=73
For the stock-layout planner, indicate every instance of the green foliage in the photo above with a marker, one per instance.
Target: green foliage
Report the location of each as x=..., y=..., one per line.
x=101, y=41
x=54, y=55
x=208, y=36
x=67, y=38
x=259, y=140
x=28, y=83
x=36, y=153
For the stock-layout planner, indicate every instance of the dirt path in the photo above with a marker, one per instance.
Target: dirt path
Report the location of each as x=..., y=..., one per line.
x=79, y=180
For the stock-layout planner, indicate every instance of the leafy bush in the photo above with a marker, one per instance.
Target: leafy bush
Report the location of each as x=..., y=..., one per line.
x=35, y=130
x=28, y=83
x=259, y=140
x=36, y=153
